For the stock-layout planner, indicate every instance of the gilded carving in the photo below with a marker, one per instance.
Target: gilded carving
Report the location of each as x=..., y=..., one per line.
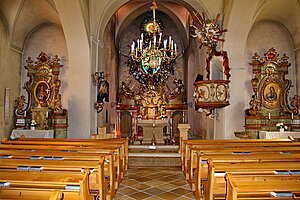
x=44, y=100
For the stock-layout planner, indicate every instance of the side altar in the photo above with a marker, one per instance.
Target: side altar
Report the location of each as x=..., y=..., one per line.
x=270, y=105
x=43, y=108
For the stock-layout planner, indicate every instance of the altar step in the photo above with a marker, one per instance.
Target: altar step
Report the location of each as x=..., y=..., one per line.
x=154, y=156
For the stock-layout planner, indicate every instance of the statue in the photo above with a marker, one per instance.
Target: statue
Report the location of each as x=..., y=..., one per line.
x=255, y=107
x=20, y=103
x=100, y=80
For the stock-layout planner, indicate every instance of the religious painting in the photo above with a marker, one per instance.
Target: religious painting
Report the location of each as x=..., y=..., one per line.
x=271, y=95
x=42, y=92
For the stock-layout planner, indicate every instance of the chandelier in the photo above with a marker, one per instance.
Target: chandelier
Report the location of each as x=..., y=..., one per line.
x=152, y=58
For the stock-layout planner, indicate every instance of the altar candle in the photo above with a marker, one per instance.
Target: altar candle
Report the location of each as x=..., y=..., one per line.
x=142, y=37
x=160, y=36
x=170, y=40
x=175, y=47
x=292, y=115
x=269, y=115
x=25, y=113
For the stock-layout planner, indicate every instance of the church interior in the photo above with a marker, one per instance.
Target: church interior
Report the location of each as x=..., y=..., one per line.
x=159, y=90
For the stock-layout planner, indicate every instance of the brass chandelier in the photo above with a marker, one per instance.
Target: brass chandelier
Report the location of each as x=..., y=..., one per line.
x=151, y=58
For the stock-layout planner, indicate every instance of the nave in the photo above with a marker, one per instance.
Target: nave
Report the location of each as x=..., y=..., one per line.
x=153, y=183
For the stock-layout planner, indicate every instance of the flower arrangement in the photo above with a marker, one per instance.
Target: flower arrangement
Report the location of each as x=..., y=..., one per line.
x=33, y=124
x=281, y=126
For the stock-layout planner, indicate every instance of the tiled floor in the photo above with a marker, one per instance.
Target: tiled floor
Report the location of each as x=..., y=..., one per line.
x=154, y=184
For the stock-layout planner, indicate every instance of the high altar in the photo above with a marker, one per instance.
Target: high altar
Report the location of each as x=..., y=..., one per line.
x=151, y=95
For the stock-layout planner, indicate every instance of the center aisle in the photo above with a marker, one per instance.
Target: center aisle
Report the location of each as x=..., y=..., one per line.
x=154, y=184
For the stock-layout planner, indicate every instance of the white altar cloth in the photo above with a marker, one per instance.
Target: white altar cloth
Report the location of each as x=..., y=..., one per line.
x=278, y=135
x=32, y=133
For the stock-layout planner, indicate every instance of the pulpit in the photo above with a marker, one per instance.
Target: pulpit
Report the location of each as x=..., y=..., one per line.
x=153, y=128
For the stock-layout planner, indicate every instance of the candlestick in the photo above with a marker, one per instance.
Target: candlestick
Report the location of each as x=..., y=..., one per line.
x=269, y=115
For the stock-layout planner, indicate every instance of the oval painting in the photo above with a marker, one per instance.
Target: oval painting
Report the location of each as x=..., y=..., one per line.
x=42, y=92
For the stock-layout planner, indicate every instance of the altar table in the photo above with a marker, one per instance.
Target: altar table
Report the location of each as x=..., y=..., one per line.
x=151, y=127
x=278, y=135
x=32, y=133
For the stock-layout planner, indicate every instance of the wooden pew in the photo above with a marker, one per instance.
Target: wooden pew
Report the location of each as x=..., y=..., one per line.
x=110, y=140
x=36, y=194
x=251, y=150
x=184, y=143
x=67, y=156
x=119, y=164
x=64, y=167
x=216, y=185
x=121, y=144
x=201, y=165
x=259, y=187
x=45, y=181
x=84, y=157
x=187, y=157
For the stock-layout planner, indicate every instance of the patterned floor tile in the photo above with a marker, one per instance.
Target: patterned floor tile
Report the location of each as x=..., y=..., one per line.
x=154, y=184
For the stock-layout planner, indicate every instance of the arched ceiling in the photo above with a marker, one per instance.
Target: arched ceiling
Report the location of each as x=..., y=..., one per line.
x=24, y=16
x=286, y=12
x=21, y=17
x=130, y=11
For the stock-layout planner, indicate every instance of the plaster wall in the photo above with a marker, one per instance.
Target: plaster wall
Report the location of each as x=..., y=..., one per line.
x=239, y=25
x=81, y=121
x=263, y=36
x=9, y=78
x=49, y=39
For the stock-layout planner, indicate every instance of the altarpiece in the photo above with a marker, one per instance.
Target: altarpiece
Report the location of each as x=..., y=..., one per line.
x=43, y=106
x=270, y=104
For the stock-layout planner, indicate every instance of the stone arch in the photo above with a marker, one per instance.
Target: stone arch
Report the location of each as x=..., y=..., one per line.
x=112, y=6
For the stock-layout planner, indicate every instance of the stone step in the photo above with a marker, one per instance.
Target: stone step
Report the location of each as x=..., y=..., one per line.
x=148, y=161
x=154, y=156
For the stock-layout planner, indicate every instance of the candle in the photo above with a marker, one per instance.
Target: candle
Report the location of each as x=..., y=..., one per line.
x=292, y=115
x=175, y=47
x=269, y=115
x=24, y=113
x=160, y=36
x=165, y=44
x=142, y=37
x=170, y=40
x=138, y=44
x=154, y=43
x=150, y=44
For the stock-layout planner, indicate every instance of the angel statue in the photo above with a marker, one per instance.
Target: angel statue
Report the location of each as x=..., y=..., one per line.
x=100, y=81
